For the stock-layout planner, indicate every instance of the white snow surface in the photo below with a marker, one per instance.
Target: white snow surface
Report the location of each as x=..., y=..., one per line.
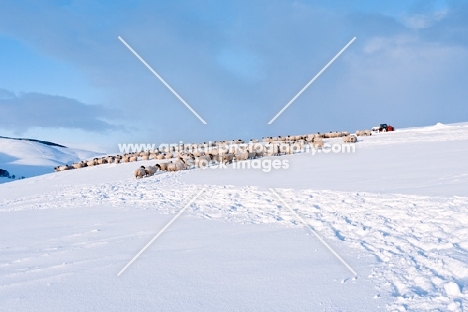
x=395, y=211
x=28, y=158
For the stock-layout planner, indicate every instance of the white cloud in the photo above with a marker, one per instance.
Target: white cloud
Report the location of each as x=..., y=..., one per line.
x=420, y=21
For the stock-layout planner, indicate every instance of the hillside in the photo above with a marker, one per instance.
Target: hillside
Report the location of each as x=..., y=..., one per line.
x=28, y=158
x=395, y=211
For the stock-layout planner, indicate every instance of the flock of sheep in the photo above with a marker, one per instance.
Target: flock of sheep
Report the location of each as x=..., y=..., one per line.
x=203, y=154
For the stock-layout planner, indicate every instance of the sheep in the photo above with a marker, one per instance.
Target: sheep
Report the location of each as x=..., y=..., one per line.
x=150, y=170
x=145, y=157
x=101, y=161
x=169, y=156
x=223, y=158
x=214, y=157
x=242, y=156
x=65, y=167
x=283, y=149
x=232, y=149
x=133, y=158
x=363, y=132
x=227, y=158
x=91, y=163
x=317, y=144
x=198, y=153
x=202, y=161
x=140, y=172
x=184, y=155
x=161, y=156
x=350, y=139
x=331, y=135
x=163, y=166
x=252, y=155
x=214, y=151
x=272, y=149
x=78, y=165
x=176, y=166
x=189, y=161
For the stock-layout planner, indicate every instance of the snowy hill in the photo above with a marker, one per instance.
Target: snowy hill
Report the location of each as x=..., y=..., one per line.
x=395, y=211
x=32, y=157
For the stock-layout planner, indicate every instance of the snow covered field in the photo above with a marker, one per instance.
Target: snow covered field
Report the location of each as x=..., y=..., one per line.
x=26, y=158
x=395, y=211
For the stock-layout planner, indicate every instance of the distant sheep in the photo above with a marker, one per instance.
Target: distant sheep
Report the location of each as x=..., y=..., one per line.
x=317, y=144
x=150, y=170
x=363, y=132
x=79, y=165
x=140, y=172
x=198, y=153
x=163, y=166
x=202, y=161
x=350, y=139
x=63, y=168
x=176, y=166
x=242, y=156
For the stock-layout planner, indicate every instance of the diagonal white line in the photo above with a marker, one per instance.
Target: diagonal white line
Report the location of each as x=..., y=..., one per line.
x=315, y=233
x=162, y=80
x=313, y=79
x=160, y=232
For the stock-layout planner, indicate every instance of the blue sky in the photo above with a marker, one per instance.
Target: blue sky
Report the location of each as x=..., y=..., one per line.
x=65, y=77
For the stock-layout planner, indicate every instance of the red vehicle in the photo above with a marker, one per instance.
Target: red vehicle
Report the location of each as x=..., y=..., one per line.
x=386, y=128
x=383, y=128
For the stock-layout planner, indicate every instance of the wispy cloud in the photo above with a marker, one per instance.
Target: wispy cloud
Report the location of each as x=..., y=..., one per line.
x=27, y=110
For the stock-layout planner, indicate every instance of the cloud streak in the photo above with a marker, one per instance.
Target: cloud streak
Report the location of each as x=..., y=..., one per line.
x=28, y=110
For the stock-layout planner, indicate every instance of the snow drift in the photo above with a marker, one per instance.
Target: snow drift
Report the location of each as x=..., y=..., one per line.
x=395, y=211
